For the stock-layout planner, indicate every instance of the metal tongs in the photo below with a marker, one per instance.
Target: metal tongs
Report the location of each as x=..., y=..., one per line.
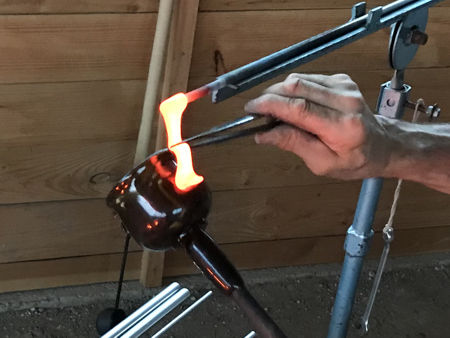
x=243, y=126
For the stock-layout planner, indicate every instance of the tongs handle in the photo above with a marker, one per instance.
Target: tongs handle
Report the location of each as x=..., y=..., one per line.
x=216, y=134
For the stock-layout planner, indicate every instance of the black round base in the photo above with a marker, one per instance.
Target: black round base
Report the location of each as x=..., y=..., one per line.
x=109, y=318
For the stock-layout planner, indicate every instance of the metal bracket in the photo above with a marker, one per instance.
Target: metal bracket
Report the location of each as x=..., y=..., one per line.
x=358, y=10
x=391, y=102
x=373, y=18
x=406, y=36
x=357, y=245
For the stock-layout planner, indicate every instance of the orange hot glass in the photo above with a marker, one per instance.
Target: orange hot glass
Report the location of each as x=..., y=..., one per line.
x=172, y=110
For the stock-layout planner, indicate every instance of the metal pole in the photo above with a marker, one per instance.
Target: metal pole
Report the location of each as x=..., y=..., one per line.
x=137, y=315
x=153, y=317
x=356, y=246
x=359, y=234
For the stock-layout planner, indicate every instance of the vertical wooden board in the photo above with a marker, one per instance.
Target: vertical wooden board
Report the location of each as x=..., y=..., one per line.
x=62, y=171
x=70, y=6
x=36, y=114
x=35, y=231
x=53, y=48
x=66, y=271
x=176, y=75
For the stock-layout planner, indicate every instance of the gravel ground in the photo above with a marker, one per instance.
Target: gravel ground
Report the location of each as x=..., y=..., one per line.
x=414, y=301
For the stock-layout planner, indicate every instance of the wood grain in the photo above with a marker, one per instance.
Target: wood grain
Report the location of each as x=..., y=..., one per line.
x=302, y=251
x=101, y=268
x=49, y=230
x=251, y=5
x=216, y=51
x=70, y=6
x=34, y=114
x=66, y=271
x=317, y=210
x=59, y=48
x=54, y=48
x=64, y=229
x=138, y=6
x=73, y=170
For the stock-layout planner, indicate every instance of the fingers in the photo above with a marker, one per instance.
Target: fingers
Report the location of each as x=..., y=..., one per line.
x=300, y=88
x=315, y=153
x=295, y=111
x=329, y=81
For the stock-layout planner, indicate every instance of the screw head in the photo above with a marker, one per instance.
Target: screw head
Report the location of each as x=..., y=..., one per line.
x=418, y=38
x=390, y=102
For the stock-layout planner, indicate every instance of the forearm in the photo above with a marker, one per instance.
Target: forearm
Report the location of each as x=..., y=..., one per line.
x=419, y=153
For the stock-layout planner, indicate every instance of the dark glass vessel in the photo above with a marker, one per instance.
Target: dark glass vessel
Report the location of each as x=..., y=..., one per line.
x=152, y=209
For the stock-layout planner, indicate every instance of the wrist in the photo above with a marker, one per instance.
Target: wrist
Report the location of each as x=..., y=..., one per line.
x=407, y=148
x=417, y=152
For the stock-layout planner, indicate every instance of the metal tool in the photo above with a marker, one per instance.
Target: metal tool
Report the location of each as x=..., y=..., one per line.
x=388, y=230
x=392, y=101
x=359, y=26
x=388, y=237
x=243, y=126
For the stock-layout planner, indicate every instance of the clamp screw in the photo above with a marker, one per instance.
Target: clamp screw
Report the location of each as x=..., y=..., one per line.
x=417, y=37
x=433, y=112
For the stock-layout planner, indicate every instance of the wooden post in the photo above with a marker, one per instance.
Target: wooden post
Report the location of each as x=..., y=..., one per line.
x=176, y=75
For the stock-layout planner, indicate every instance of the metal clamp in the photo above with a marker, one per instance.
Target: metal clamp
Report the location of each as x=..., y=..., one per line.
x=392, y=101
x=357, y=244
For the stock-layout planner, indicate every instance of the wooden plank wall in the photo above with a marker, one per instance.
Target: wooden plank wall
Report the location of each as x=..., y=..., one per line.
x=72, y=77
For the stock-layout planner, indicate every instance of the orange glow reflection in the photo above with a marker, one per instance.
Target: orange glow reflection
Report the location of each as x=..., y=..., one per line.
x=172, y=111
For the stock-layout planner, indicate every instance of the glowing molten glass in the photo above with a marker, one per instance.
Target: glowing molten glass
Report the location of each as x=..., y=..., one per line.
x=172, y=111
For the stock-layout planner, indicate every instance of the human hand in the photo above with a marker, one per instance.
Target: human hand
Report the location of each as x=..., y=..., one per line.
x=327, y=123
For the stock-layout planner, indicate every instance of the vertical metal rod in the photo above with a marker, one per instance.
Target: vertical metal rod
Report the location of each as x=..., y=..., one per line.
x=356, y=246
x=153, y=317
x=142, y=311
x=376, y=285
x=122, y=270
x=182, y=314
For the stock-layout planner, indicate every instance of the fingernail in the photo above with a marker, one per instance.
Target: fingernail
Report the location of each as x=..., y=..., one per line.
x=257, y=139
x=248, y=105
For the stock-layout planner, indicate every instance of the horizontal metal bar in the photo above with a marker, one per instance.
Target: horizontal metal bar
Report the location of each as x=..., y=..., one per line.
x=137, y=315
x=153, y=317
x=252, y=74
x=182, y=314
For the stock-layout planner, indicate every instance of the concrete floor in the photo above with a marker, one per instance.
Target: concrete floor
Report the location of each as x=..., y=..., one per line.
x=414, y=301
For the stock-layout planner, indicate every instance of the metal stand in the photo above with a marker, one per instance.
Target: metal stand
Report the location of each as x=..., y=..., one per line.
x=405, y=38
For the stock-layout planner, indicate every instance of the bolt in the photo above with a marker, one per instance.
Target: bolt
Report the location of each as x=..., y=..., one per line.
x=418, y=38
x=390, y=102
x=433, y=112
